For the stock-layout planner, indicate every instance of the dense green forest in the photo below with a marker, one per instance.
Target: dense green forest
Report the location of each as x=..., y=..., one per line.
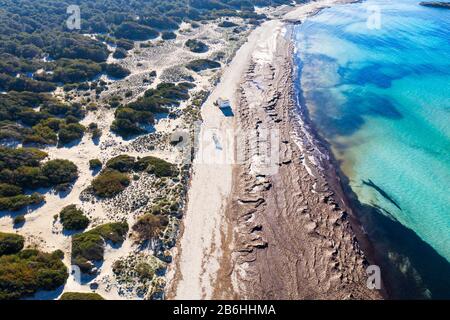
x=34, y=34
x=38, y=53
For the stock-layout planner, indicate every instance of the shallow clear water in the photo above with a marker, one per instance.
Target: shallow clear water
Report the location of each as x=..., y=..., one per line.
x=381, y=98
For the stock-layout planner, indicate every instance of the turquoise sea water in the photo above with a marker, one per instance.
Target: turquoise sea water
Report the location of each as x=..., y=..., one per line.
x=381, y=98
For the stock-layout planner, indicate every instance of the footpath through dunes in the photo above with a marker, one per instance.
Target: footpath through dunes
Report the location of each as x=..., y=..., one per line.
x=258, y=231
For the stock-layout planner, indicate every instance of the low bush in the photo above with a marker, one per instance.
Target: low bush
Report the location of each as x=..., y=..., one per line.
x=110, y=183
x=88, y=247
x=125, y=44
x=9, y=190
x=196, y=46
x=60, y=171
x=150, y=226
x=71, y=132
x=81, y=296
x=126, y=128
x=115, y=70
x=24, y=273
x=159, y=167
x=19, y=220
x=202, y=64
x=168, y=35
x=134, y=31
x=227, y=24
x=73, y=218
x=95, y=164
x=20, y=201
x=120, y=53
x=122, y=163
x=10, y=243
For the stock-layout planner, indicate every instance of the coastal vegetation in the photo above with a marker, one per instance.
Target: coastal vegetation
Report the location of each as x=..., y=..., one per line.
x=35, y=36
x=168, y=35
x=130, y=118
x=88, y=247
x=95, y=164
x=81, y=296
x=19, y=220
x=10, y=243
x=73, y=218
x=40, y=119
x=22, y=169
x=114, y=178
x=156, y=166
x=196, y=46
x=110, y=183
x=150, y=226
x=202, y=64
x=25, y=272
x=122, y=163
x=227, y=24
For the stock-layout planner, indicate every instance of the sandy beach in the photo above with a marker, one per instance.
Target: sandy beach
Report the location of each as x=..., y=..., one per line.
x=258, y=231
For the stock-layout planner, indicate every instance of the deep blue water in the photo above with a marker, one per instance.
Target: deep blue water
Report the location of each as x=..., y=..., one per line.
x=380, y=95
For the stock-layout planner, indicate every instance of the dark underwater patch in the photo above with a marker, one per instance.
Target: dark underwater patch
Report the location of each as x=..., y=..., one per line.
x=383, y=193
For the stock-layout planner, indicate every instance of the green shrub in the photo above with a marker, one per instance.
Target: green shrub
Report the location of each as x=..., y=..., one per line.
x=202, y=64
x=134, y=31
x=196, y=46
x=168, y=35
x=129, y=117
x=115, y=70
x=227, y=24
x=126, y=128
x=88, y=247
x=71, y=132
x=24, y=273
x=9, y=190
x=81, y=296
x=144, y=271
x=10, y=243
x=73, y=218
x=20, y=201
x=74, y=71
x=60, y=171
x=122, y=163
x=159, y=167
x=125, y=44
x=95, y=164
x=110, y=183
x=19, y=220
x=150, y=226
x=120, y=53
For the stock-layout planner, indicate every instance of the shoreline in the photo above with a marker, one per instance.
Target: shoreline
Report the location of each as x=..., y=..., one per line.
x=238, y=253
x=336, y=177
